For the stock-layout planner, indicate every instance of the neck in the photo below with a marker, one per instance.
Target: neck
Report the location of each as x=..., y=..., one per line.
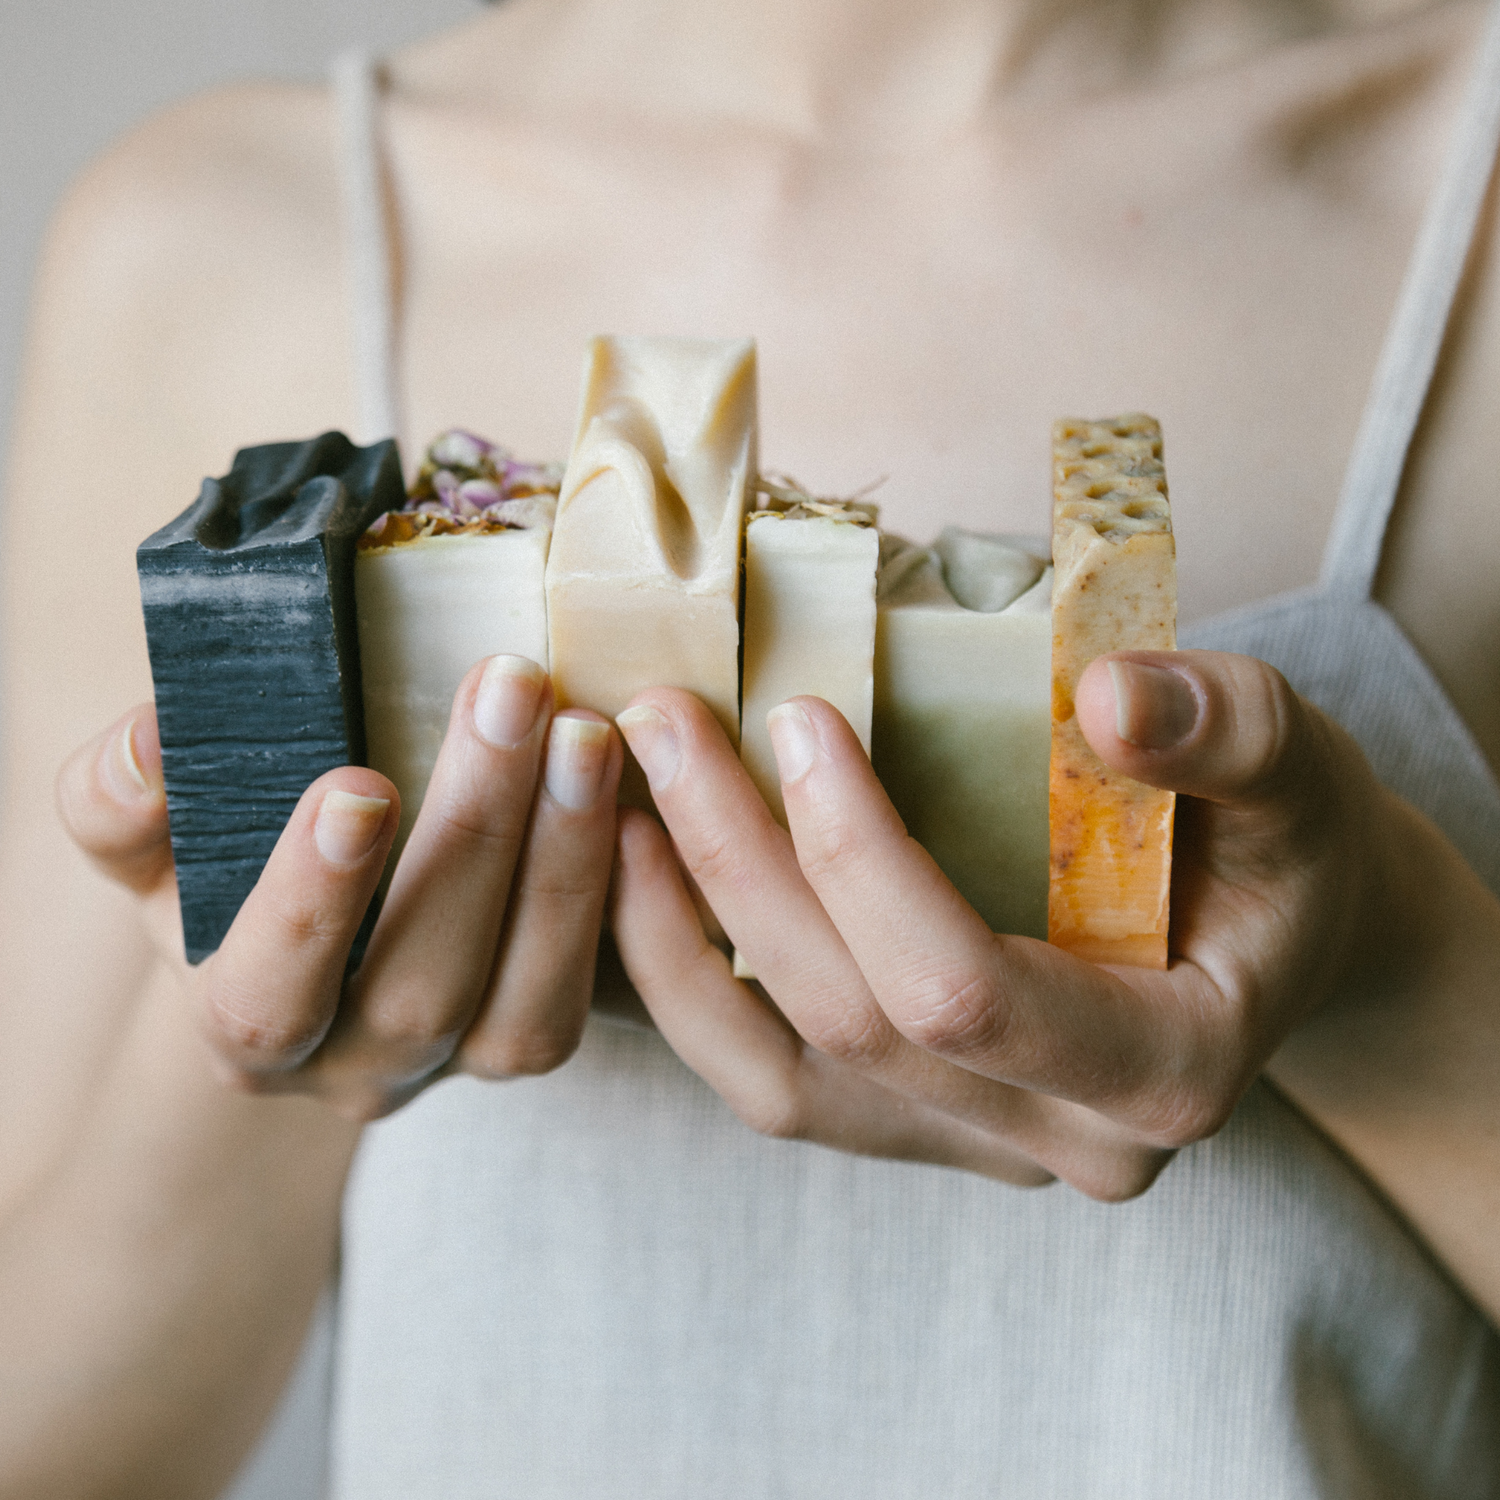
x=871, y=71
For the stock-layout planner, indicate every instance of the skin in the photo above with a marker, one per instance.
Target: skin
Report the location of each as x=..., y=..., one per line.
x=912, y=208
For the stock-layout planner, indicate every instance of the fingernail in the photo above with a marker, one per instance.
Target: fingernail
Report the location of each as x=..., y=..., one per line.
x=577, y=752
x=348, y=826
x=509, y=696
x=793, y=741
x=1155, y=707
x=120, y=768
x=653, y=742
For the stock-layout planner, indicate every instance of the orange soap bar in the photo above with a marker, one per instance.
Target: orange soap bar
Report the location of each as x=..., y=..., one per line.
x=1114, y=589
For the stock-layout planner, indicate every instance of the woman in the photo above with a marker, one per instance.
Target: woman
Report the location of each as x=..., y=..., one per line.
x=946, y=225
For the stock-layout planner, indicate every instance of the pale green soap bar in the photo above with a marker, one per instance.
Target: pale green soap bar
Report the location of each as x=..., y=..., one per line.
x=962, y=721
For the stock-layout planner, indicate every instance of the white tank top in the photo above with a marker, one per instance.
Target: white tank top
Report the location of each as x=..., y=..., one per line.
x=599, y=1284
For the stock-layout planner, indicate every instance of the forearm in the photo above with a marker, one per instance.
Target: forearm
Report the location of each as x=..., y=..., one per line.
x=1405, y=1075
x=155, y=1287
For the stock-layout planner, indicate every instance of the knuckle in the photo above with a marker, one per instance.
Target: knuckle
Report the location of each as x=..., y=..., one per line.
x=858, y=1036
x=253, y=1038
x=777, y=1111
x=1194, y=1112
x=823, y=849
x=1121, y=1177
x=956, y=1014
x=528, y=1052
x=485, y=828
x=413, y=1026
x=300, y=924
x=718, y=859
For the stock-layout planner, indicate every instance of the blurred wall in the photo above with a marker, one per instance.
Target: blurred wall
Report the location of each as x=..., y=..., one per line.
x=77, y=73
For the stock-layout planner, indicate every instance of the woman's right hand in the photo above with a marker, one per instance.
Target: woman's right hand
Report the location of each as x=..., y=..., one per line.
x=482, y=960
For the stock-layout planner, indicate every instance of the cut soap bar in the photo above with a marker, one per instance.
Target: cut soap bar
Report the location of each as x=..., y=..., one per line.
x=962, y=681
x=1115, y=590
x=810, y=571
x=454, y=584
x=248, y=601
x=428, y=610
x=643, y=577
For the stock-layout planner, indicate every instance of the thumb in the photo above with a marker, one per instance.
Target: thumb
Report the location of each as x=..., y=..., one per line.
x=112, y=802
x=1226, y=729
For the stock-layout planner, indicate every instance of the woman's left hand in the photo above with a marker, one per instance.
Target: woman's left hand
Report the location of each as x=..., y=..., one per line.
x=902, y=1027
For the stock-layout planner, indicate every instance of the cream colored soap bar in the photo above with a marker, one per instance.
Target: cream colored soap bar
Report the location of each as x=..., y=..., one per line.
x=962, y=713
x=810, y=569
x=643, y=578
x=428, y=610
x=1116, y=590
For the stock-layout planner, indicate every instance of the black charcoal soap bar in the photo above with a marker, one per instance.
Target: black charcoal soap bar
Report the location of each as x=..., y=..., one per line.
x=249, y=605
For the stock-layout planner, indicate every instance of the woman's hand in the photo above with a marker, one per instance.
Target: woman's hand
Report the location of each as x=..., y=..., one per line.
x=902, y=1027
x=483, y=958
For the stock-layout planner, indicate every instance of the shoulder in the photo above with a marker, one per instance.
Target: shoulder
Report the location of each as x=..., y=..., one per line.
x=240, y=180
x=189, y=302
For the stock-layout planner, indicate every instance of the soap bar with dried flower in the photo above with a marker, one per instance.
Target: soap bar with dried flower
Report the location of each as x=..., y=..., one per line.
x=454, y=576
x=249, y=607
x=1115, y=590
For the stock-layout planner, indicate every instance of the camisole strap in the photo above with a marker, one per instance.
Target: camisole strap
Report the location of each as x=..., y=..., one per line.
x=371, y=279
x=1415, y=337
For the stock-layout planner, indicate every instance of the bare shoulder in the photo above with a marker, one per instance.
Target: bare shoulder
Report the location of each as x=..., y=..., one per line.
x=188, y=303
x=209, y=236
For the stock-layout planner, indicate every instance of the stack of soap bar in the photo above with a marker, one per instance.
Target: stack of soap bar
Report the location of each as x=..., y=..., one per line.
x=248, y=599
x=810, y=572
x=1116, y=590
x=963, y=638
x=643, y=577
x=455, y=576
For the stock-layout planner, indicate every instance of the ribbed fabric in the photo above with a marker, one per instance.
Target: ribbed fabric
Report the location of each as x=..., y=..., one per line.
x=599, y=1284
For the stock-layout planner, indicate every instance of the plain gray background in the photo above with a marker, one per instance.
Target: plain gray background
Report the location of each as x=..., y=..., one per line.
x=80, y=72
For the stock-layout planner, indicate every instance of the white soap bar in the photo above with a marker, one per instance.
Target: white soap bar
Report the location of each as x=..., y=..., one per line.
x=428, y=610
x=962, y=722
x=809, y=623
x=643, y=578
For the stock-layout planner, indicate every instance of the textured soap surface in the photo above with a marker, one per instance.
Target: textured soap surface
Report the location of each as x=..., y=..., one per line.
x=1116, y=590
x=249, y=609
x=643, y=574
x=962, y=714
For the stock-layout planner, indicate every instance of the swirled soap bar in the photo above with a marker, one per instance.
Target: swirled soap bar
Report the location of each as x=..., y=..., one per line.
x=1115, y=590
x=960, y=738
x=643, y=579
x=454, y=576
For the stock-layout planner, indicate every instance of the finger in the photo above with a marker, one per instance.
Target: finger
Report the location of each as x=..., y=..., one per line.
x=1010, y=1008
x=1223, y=728
x=273, y=987
x=747, y=868
x=112, y=802
x=433, y=949
x=1284, y=818
x=751, y=1056
x=534, y=1012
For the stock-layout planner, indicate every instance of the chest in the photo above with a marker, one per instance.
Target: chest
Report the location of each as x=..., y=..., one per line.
x=924, y=314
